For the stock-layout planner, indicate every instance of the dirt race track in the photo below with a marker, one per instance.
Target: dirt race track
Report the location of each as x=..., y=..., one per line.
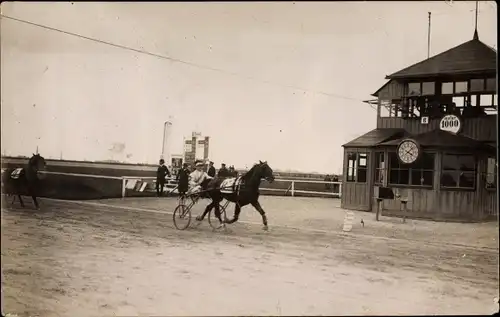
x=124, y=257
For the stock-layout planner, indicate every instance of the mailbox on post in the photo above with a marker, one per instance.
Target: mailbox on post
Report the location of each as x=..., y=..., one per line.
x=387, y=193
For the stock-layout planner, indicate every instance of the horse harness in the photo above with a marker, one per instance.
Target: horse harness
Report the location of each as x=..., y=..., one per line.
x=16, y=173
x=234, y=186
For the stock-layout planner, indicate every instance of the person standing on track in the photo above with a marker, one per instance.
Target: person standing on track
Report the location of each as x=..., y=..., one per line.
x=211, y=170
x=161, y=173
x=183, y=179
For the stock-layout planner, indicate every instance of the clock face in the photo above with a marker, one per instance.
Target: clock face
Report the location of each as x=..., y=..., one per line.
x=408, y=151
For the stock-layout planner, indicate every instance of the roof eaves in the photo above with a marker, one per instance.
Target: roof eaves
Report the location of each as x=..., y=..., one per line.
x=375, y=94
x=426, y=75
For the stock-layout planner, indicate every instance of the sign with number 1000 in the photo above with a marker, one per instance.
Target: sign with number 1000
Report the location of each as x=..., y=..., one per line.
x=450, y=123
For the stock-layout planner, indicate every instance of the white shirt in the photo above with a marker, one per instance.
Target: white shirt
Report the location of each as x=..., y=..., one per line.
x=197, y=177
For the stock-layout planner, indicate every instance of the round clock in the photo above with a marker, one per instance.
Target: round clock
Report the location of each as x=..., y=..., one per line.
x=408, y=151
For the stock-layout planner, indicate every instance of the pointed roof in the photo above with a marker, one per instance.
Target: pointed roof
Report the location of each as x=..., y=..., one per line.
x=470, y=57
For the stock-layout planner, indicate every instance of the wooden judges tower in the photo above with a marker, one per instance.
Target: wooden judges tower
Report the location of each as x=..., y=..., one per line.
x=434, y=148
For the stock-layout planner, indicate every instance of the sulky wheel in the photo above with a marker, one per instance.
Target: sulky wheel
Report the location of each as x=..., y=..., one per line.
x=212, y=219
x=182, y=217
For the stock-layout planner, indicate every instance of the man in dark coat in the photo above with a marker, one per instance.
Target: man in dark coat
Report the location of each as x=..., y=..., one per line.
x=232, y=171
x=183, y=179
x=328, y=179
x=211, y=169
x=223, y=172
x=161, y=172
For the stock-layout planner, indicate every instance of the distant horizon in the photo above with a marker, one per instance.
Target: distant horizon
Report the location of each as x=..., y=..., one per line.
x=276, y=170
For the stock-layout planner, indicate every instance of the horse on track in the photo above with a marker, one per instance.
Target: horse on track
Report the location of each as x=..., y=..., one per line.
x=241, y=190
x=24, y=180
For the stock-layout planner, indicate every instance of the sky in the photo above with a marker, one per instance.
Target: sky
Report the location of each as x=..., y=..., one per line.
x=276, y=81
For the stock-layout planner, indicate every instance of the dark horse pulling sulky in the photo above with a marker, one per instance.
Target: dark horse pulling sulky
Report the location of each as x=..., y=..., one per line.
x=24, y=180
x=244, y=192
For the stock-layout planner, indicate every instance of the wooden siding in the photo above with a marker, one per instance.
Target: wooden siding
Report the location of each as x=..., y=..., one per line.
x=490, y=203
x=482, y=129
x=392, y=90
x=437, y=203
x=430, y=203
x=357, y=196
x=445, y=204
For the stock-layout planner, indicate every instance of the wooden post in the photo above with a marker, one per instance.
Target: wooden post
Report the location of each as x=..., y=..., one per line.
x=429, y=37
x=379, y=208
x=293, y=189
x=405, y=209
x=124, y=186
x=340, y=190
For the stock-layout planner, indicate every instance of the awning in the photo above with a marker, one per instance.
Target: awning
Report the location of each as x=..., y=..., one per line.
x=374, y=137
x=443, y=139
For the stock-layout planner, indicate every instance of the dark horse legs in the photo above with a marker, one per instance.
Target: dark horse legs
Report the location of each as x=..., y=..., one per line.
x=237, y=210
x=35, y=202
x=257, y=206
x=261, y=211
x=20, y=200
x=213, y=204
x=31, y=192
x=17, y=191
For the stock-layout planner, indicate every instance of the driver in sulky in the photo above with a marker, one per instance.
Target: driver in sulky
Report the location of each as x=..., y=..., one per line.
x=198, y=179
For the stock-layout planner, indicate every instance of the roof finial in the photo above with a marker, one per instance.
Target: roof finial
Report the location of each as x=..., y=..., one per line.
x=476, y=36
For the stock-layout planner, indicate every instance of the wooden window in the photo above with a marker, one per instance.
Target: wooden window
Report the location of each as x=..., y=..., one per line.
x=485, y=100
x=461, y=86
x=428, y=88
x=477, y=84
x=362, y=167
x=459, y=101
x=385, y=111
x=473, y=100
x=421, y=173
x=458, y=171
x=357, y=167
x=380, y=168
x=491, y=84
x=414, y=89
x=490, y=177
x=351, y=167
x=447, y=88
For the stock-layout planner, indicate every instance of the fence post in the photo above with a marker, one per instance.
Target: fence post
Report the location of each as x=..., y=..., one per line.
x=124, y=186
x=293, y=188
x=340, y=190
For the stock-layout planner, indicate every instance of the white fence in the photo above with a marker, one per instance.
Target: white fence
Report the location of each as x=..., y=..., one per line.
x=139, y=183
x=290, y=189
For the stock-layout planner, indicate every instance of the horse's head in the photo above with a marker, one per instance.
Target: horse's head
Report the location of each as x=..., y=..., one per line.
x=37, y=162
x=265, y=171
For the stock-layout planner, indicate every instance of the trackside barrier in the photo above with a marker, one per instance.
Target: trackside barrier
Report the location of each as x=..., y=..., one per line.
x=138, y=183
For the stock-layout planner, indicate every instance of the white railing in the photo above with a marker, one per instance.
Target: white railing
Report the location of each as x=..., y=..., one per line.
x=290, y=189
x=293, y=190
